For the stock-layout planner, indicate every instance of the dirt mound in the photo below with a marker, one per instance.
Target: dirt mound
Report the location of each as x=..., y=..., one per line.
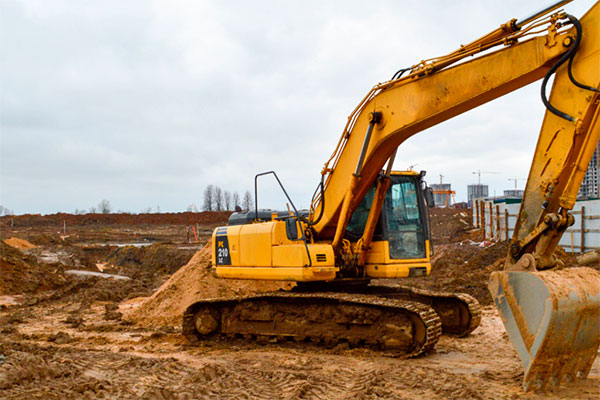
x=155, y=259
x=184, y=218
x=452, y=225
x=190, y=283
x=46, y=239
x=20, y=244
x=21, y=273
x=90, y=289
x=464, y=267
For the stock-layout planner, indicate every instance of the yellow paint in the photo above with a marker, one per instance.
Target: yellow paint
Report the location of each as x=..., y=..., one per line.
x=380, y=265
x=392, y=271
x=278, y=274
x=263, y=251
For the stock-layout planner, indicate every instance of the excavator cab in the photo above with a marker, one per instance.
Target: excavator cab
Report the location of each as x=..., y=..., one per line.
x=401, y=245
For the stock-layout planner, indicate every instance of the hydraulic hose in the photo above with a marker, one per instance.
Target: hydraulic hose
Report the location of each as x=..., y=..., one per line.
x=569, y=55
x=399, y=73
x=579, y=30
x=321, y=185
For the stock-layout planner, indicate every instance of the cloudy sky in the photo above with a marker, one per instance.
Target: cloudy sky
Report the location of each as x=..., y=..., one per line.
x=144, y=103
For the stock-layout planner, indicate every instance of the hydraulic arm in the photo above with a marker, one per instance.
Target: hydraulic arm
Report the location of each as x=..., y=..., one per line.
x=553, y=317
x=432, y=93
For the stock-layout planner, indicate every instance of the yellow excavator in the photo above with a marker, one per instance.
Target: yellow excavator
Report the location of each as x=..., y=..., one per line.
x=368, y=222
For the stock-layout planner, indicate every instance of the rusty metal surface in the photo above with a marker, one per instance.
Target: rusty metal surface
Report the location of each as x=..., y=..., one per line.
x=553, y=320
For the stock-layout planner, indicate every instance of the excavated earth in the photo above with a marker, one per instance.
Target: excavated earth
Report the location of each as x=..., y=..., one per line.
x=64, y=336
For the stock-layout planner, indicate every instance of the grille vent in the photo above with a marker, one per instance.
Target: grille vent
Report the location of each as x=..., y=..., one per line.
x=321, y=257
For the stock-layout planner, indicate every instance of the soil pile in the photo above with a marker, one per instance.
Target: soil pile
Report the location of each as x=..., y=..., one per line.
x=57, y=220
x=62, y=252
x=452, y=225
x=21, y=273
x=191, y=283
x=464, y=267
x=89, y=289
x=20, y=244
x=155, y=259
x=461, y=264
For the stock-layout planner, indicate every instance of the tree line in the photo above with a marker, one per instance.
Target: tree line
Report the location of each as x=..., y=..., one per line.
x=214, y=199
x=5, y=211
x=217, y=199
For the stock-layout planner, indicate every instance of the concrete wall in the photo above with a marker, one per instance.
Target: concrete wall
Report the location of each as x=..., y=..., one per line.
x=496, y=227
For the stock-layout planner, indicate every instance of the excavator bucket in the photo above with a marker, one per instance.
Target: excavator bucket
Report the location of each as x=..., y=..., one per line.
x=553, y=320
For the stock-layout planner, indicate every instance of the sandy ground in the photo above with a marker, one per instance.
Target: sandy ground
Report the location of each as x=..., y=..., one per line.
x=63, y=338
x=46, y=357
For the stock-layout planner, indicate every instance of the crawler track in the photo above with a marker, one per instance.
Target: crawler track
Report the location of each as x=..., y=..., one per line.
x=394, y=324
x=460, y=313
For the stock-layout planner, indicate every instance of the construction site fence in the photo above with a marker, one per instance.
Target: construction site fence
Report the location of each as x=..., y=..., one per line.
x=498, y=223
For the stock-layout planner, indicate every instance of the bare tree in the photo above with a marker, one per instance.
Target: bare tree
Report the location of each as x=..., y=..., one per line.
x=209, y=198
x=192, y=208
x=93, y=210
x=227, y=200
x=236, y=200
x=6, y=211
x=218, y=199
x=248, y=201
x=104, y=207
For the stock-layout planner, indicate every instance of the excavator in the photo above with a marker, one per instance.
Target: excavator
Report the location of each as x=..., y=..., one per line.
x=367, y=222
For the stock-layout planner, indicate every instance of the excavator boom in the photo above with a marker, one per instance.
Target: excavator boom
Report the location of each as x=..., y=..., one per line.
x=426, y=97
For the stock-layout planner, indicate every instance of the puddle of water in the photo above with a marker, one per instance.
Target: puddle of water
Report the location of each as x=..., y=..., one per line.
x=142, y=244
x=197, y=247
x=47, y=257
x=92, y=273
x=11, y=300
x=139, y=244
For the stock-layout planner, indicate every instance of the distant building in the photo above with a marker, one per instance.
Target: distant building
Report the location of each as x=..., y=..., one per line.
x=589, y=186
x=440, y=198
x=476, y=191
x=514, y=193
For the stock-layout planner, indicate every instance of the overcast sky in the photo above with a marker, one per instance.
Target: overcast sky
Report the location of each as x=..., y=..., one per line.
x=144, y=103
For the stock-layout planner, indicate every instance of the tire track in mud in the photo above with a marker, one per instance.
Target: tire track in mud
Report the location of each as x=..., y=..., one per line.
x=303, y=378
x=34, y=371
x=61, y=371
x=158, y=367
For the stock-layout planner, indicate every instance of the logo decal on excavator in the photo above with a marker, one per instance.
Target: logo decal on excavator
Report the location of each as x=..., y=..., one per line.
x=222, y=250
